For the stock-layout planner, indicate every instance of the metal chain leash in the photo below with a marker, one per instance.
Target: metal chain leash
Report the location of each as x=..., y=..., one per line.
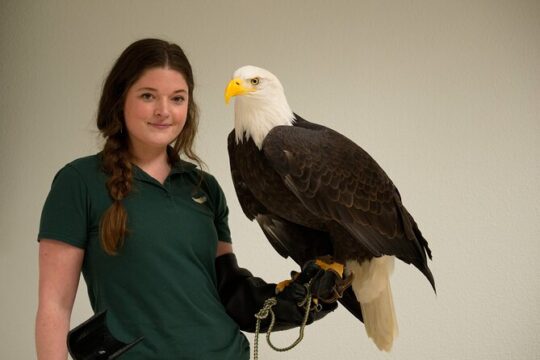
x=267, y=309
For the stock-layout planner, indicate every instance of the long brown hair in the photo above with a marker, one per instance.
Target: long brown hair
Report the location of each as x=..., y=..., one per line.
x=116, y=160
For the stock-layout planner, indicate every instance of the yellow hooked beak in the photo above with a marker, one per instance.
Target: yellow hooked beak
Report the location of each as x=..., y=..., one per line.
x=235, y=87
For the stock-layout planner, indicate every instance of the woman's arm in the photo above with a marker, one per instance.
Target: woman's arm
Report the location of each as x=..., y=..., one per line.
x=59, y=272
x=223, y=248
x=243, y=294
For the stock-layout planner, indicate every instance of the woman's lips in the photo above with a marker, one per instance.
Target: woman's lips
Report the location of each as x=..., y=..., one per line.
x=160, y=126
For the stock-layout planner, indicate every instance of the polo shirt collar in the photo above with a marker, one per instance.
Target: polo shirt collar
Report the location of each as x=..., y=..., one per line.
x=177, y=168
x=182, y=166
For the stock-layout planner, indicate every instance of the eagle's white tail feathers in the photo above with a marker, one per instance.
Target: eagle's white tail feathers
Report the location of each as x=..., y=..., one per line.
x=371, y=285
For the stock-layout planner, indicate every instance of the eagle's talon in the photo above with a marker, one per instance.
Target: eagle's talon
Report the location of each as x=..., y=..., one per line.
x=344, y=283
x=336, y=291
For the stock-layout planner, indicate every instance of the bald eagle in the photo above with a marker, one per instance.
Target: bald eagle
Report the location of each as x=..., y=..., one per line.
x=316, y=193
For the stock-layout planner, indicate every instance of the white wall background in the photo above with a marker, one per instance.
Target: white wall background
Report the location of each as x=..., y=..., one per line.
x=444, y=94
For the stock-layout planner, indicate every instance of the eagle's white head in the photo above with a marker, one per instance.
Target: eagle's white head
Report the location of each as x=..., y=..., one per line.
x=260, y=103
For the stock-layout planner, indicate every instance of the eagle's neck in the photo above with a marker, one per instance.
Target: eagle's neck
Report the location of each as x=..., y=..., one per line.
x=255, y=117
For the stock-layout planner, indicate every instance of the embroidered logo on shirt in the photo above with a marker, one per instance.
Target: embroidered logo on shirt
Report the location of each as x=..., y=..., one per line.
x=199, y=200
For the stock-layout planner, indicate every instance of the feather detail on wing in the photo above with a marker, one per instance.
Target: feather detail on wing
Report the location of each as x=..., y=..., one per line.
x=336, y=180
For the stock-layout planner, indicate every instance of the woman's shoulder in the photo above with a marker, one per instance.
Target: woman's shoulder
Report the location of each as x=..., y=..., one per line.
x=91, y=162
x=210, y=180
x=87, y=168
x=198, y=176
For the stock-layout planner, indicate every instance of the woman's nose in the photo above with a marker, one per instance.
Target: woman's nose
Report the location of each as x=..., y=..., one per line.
x=162, y=108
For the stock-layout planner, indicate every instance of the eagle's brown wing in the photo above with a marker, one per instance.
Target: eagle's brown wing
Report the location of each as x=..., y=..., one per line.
x=336, y=180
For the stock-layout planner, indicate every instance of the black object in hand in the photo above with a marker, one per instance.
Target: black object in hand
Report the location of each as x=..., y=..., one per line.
x=92, y=340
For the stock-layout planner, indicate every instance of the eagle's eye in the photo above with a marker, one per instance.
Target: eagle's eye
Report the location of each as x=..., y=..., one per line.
x=255, y=81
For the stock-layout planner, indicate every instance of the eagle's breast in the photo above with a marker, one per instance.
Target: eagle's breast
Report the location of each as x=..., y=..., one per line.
x=268, y=188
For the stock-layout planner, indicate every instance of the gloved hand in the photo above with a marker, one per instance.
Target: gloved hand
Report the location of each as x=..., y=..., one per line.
x=243, y=295
x=327, y=284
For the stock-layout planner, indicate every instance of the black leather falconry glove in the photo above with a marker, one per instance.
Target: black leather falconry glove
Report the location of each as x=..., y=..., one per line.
x=243, y=295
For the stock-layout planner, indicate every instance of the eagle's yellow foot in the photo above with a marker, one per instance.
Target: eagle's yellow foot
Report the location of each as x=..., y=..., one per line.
x=331, y=284
x=325, y=276
x=326, y=263
x=282, y=285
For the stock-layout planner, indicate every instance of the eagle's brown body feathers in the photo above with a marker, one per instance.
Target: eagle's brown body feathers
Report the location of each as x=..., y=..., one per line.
x=336, y=200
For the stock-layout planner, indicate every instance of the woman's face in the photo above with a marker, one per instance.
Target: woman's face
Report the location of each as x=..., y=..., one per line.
x=156, y=108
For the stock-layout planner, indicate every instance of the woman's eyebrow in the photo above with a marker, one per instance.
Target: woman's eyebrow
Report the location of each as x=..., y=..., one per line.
x=152, y=89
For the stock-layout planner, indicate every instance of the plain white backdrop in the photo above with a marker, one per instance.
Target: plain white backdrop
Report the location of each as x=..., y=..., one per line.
x=443, y=94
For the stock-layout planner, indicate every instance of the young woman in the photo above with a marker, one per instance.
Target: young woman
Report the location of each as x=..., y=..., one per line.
x=148, y=230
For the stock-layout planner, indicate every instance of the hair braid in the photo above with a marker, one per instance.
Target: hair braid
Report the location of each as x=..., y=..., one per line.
x=116, y=163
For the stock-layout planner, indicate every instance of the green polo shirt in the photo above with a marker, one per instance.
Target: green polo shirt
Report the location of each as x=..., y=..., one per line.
x=162, y=284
